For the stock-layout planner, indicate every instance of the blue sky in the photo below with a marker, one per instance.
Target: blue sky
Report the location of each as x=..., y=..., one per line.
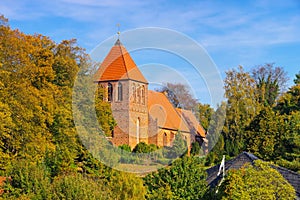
x=233, y=33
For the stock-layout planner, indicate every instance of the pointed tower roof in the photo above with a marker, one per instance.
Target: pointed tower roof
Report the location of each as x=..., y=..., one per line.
x=118, y=65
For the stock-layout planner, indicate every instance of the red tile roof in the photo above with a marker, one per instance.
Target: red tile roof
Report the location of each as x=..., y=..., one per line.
x=118, y=65
x=192, y=121
x=161, y=109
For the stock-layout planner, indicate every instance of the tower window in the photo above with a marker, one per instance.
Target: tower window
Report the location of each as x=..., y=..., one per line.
x=120, y=91
x=133, y=93
x=138, y=95
x=143, y=95
x=110, y=92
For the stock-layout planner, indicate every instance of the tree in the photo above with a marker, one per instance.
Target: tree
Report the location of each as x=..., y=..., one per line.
x=289, y=149
x=178, y=148
x=179, y=95
x=141, y=147
x=3, y=20
x=290, y=101
x=185, y=179
x=29, y=179
x=297, y=79
x=204, y=114
x=242, y=107
x=215, y=136
x=127, y=186
x=260, y=181
x=79, y=187
x=270, y=81
x=265, y=134
x=104, y=113
x=195, y=149
x=125, y=147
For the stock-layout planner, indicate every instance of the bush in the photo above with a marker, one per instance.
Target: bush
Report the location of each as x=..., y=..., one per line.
x=260, y=181
x=78, y=187
x=142, y=147
x=196, y=149
x=30, y=180
x=179, y=148
x=127, y=186
x=125, y=147
x=185, y=179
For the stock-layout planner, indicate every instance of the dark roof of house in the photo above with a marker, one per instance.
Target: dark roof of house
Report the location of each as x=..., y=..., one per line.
x=240, y=160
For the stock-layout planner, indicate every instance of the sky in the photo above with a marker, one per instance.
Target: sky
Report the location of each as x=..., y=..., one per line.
x=247, y=33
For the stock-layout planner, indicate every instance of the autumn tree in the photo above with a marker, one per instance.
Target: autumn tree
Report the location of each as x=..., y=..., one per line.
x=242, y=107
x=104, y=113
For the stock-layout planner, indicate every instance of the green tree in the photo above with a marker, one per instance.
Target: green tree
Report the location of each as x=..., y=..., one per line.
x=178, y=148
x=255, y=182
x=142, y=147
x=125, y=147
x=265, y=134
x=184, y=179
x=205, y=113
x=289, y=101
x=195, y=149
x=28, y=179
x=78, y=187
x=297, y=79
x=289, y=149
x=215, y=136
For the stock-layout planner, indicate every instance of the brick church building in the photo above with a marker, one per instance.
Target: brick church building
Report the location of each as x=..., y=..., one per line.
x=142, y=115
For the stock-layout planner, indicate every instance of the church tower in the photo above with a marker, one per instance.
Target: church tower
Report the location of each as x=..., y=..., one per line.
x=127, y=92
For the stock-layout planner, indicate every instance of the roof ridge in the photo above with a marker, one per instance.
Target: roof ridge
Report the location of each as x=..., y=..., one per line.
x=119, y=65
x=181, y=116
x=250, y=155
x=125, y=65
x=283, y=168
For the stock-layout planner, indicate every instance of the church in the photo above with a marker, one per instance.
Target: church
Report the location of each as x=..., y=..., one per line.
x=142, y=115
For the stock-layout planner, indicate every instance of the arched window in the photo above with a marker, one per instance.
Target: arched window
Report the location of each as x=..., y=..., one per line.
x=143, y=95
x=138, y=130
x=120, y=91
x=110, y=92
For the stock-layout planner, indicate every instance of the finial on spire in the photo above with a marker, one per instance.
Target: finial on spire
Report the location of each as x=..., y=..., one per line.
x=118, y=25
